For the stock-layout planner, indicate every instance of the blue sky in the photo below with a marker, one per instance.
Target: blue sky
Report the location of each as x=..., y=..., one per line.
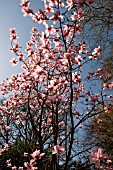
x=12, y=17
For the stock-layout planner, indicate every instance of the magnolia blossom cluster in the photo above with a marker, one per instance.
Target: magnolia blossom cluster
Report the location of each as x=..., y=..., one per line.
x=4, y=149
x=36, y=155
x=50, y=94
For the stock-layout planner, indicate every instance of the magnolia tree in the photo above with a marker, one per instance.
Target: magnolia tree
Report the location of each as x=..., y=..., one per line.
x=54, y=94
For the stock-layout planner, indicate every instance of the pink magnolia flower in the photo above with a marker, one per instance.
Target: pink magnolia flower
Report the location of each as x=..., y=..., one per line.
x=27, y=165
x=26, y=11
x=107, y=109
x=62, y=123
x=1, y=150
x=31, y=165
x=109, y=161
x=56, y=41
x=77, y=116
x=35, y=17
x=49, y=121
x=105, y=86
x=6, y=147
x=13, y=36
x=42, y=16
x=52, y=2
x=14, y=168
x=100, y=154
x=61, y=3
x=21, y=56
x=78, y=15
x=25, y=154
x=8, y=163
x=99, y=121
x=80, y=126
x=96, y=156
x=49, y=29
x=38, y=70
x=97, y=51
x=78, y=59
x=12, y=30
x=24, y=3
x=83, y=48
x=7, y=127
x=48, y=9
x=58, y=149
x=69, y=4
x=37, y=154
x=20, y=168
x=77, y=29
x=88, y=92
x=14, y=61
x=55, y=17
x=67, y=55
x=15, y=48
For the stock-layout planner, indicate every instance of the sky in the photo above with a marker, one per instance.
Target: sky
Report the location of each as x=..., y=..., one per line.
x=12, y=17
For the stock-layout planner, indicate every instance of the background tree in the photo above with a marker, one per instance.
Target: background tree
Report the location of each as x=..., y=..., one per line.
x=99, y=132
x=98, y=26
x=97, y=29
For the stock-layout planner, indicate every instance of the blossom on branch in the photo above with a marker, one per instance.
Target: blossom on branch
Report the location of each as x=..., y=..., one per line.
x=58, y=149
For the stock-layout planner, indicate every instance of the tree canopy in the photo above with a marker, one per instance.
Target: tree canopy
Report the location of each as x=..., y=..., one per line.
x=46, y=105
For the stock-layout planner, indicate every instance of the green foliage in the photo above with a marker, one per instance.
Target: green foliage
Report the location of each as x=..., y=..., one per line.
x=99, y=133
x=16, y=154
